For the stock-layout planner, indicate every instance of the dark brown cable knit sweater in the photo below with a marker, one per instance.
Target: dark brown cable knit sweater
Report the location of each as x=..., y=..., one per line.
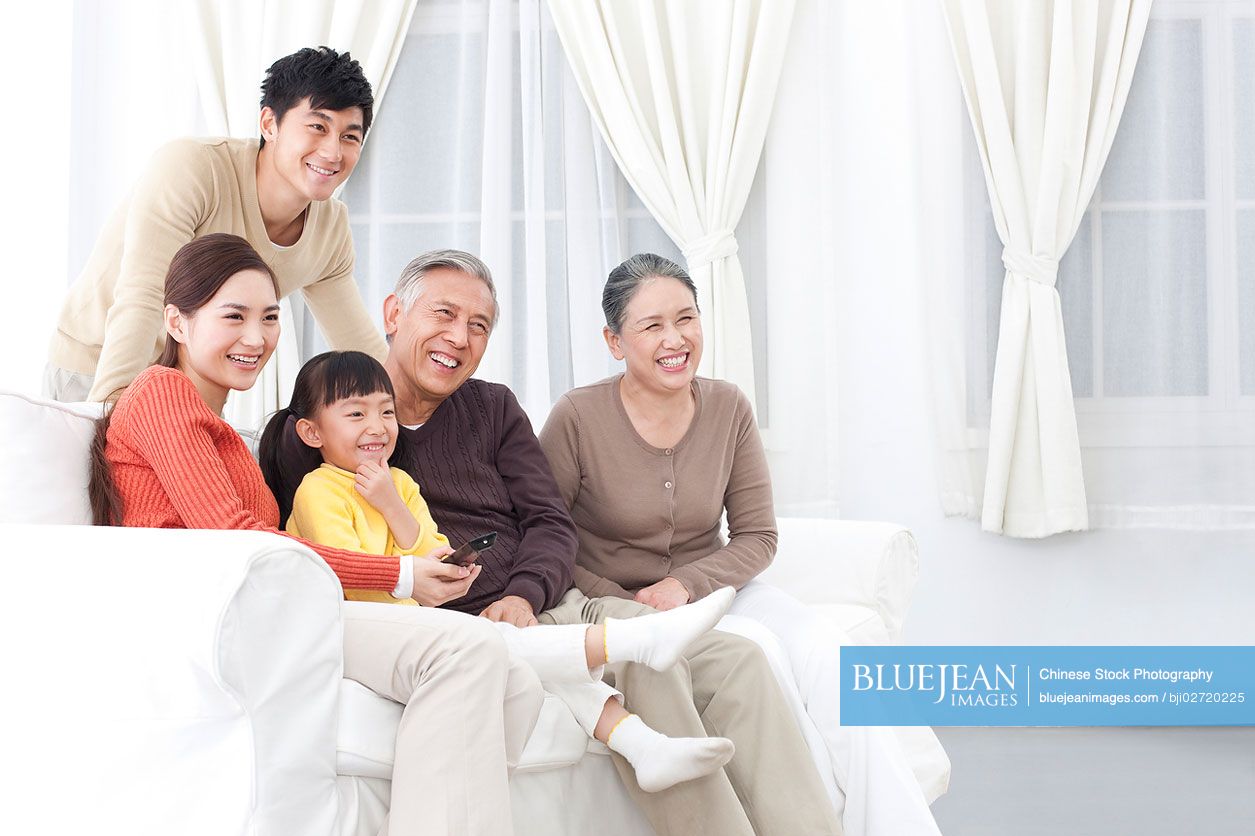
x=480, y=468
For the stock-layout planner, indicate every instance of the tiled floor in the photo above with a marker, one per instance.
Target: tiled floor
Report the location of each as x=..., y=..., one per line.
x=1099, y=781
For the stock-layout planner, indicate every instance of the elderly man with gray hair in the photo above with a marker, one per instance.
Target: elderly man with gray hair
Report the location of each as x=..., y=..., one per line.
x=470, y=446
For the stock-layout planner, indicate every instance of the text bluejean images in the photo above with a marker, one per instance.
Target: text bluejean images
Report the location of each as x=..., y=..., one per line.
x=1047, y=686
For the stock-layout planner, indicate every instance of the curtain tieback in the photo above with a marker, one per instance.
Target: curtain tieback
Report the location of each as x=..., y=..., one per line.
x=1035, y=268
x=708, y=248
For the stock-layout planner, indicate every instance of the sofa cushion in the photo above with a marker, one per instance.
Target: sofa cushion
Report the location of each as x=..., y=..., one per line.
x=366, y=743
x=846, y=562
x=862, y=624
x=46, y=445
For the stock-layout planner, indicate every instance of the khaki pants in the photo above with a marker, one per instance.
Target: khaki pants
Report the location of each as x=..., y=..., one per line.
x=469, y=709
x=723, y=687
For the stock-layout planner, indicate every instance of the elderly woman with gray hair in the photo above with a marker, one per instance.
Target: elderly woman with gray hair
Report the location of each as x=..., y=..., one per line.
x=648, y=462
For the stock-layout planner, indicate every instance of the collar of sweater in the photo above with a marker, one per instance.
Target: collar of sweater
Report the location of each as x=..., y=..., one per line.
x=339, y=473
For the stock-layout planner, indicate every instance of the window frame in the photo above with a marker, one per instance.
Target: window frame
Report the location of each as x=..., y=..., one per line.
x=1224, y=417
x=371, y=217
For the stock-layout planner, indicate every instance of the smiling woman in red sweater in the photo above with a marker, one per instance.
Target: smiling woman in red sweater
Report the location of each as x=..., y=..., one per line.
x=165, y=458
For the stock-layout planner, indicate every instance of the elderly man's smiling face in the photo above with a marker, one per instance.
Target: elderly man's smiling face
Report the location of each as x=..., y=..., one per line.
x=438, y=343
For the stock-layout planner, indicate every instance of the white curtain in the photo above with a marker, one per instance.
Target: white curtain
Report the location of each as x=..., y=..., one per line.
x=682, y=93
x=116, y=47
x=1045, y=85
x=487, y=145
x=230, y=45
x=1156, y=289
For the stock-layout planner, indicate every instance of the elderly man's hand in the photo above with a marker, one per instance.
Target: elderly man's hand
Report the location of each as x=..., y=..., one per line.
x=512, y=610
x=667, y=594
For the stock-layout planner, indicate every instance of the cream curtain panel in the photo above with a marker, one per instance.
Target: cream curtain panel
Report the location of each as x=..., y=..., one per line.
x=682, y=94
x=1045, y=84
x=231, y=43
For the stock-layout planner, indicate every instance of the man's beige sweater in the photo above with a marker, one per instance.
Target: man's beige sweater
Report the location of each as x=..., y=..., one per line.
x=111, y=324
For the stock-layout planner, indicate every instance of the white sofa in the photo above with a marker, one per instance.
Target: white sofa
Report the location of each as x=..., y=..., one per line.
x=190, y=681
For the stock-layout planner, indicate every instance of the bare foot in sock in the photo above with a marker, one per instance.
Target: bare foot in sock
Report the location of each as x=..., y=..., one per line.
x=662, y=761
x=659, y=639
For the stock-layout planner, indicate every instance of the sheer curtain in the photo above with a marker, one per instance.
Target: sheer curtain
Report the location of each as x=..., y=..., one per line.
x=230, y=44
x=682, y=94
x=487, y=145
x=120, y=47
x=1045, y=85
x=1157, y=289
x=873, y=211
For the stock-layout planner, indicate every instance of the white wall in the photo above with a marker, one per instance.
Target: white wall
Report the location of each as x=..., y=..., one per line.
x=1099, y=587
x=36, y=66
x=1117, y=587
x=133, y=90
x=107, y=89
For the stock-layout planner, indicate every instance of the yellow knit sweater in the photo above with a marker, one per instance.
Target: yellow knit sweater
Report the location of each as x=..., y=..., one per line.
x=328, y=510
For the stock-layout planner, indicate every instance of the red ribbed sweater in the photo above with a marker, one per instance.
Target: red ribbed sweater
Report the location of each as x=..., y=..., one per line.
x=177, y=465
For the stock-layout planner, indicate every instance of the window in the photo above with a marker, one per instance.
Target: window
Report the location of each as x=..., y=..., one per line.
x=484, y=144
x=1158, y=285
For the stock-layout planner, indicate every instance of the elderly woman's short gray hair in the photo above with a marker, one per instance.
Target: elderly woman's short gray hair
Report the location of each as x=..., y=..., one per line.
x=410, y=284
x=623, y=281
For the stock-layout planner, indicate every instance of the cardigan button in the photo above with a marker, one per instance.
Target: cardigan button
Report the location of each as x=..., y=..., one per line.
x=667, y=485
x=669, y=451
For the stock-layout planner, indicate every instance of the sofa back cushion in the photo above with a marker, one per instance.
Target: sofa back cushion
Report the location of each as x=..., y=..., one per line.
x=44, y=454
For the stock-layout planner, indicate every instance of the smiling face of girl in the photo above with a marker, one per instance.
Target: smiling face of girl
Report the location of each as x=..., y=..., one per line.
x=351, y=431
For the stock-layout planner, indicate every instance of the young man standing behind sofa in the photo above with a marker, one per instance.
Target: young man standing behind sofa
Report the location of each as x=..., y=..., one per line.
x=316, y=107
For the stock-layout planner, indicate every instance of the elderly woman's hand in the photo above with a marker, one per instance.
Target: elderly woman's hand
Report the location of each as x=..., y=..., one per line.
x=667, y=594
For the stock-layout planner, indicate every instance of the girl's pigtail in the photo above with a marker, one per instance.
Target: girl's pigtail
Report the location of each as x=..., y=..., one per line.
x=284, y=460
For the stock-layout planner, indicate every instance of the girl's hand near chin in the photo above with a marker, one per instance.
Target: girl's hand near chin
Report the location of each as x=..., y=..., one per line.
x=374, y=482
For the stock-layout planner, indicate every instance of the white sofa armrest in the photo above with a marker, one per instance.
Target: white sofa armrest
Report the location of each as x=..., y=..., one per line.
x=44, y=453
x=868, y=564
x=169, y=681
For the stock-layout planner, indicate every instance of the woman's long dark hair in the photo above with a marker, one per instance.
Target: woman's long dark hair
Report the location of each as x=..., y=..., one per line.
x=197, y=272
x=325, y=379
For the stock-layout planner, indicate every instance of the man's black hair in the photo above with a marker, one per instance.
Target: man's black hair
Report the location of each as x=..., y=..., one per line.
x=330, y=80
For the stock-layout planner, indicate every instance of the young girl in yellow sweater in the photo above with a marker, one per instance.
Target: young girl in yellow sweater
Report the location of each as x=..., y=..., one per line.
x=343, y=406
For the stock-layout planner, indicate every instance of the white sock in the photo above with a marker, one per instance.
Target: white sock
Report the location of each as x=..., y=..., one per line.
x=658, y=639
x=662, y=761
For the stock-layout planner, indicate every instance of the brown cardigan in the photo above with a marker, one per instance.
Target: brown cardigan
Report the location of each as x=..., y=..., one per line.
x=645, y=513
